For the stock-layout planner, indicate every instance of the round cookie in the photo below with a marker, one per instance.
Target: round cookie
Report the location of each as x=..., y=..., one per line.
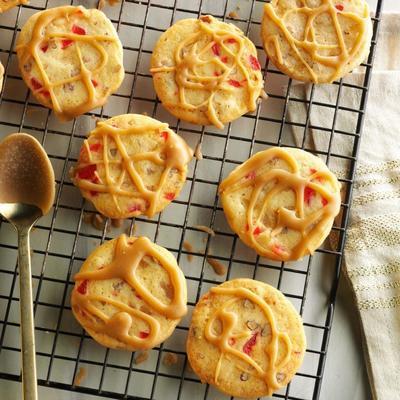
x=206, y=71
x=5, y=5
x=245, y=338
x=71, y=59
x=131, y=165
x=281, y=202
x=316, y=40
x=129, y=294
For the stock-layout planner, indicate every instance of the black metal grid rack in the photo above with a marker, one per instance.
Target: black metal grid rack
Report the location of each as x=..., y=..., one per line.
x=61, y=241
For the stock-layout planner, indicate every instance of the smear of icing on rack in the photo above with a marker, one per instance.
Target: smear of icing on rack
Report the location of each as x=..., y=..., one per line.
x=310, y=44
x=223, y=340
x=39, y=42
x=126, y=260
x=188, y=58
x=311, y=226
x=173, y=153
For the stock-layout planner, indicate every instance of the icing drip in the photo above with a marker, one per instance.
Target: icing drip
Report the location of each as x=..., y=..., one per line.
x=39, y=43
x=189, y=57
x=174, y=154
x=224, y=339
x=127, y=258
x=309, y=44
x=311, y=226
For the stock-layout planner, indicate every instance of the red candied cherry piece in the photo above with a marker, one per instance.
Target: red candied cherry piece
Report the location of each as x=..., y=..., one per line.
x=257, y=230
x=95, y=147
x=143, y=334
x=251, y=175
x=254, y=63
x=138, y=296
x=216, y=49
x=164, y=135
x=169, y=196
x=36, y=84
x=66, y=43
x=248, y=346
x=308, y=195
x=224, y=59
x=78, y=30
x=231, y=41
x=94, y=83
x=247, y=227
x=216, y=73
x=87, y=172
x=234, y=83
x=134, y=207
x=339, y=7
x=83, y=286
x=313, y=170
x=46, y=93
x=324, y=201
x=277, y=249
x=45, y=47
x=232, y=341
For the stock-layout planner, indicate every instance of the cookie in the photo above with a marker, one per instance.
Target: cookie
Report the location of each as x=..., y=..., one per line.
x=281, y=202
x=1, y=76
x=245, y=338
x=206, y=71
x=131, y=165
x=316, y=40
x=8, y=4
x=71, y=59
x=129, y=294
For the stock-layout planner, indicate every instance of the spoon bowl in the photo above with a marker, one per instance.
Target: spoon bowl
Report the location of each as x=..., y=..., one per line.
x=26, y=194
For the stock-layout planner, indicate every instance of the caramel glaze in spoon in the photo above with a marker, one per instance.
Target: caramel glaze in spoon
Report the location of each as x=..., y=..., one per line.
x=26, y=193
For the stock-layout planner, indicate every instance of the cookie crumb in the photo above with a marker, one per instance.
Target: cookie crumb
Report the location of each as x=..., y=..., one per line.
x=117, y=223
x=205, y=229
x=141, y=357
x=87, y=217
x=233, y=14
x=218, y=267
x=188, y=246
x=197, y=152
x=170, y=359
x=98, y=222
x=80, y=376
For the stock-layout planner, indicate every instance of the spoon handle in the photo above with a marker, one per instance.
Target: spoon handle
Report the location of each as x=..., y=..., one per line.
x=29, y=381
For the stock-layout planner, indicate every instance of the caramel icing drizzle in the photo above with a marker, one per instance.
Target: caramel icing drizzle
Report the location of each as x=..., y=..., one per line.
x=310, y=44
x=189, y=57
x=229, y=321
x=310, y=226
x=174, y=154
x=127, y=258
x=40, y=38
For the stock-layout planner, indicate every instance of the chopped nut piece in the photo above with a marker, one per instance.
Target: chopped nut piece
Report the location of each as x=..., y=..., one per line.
x=196, y=332
x=233, y=14
x=98, y=222
x=141, y=356
x=280, y=377
x=188, y=247
x=266, y=330
x=252, y=325
x=218, y=267
x=170, y=359
x=248, y=304
x=244, y=376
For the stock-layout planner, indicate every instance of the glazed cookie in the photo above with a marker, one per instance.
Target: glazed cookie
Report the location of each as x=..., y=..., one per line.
x=71, y=59
x=7, y=4
x=129, y=294
x=281, y=202
x=245, y=338
x=131, y=165
x=316, y=40
x=206, y=71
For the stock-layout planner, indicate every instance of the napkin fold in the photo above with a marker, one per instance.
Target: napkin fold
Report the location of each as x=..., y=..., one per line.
x=372, y=251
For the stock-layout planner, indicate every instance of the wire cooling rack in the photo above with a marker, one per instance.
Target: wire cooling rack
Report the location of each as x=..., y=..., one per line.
x=61, y=241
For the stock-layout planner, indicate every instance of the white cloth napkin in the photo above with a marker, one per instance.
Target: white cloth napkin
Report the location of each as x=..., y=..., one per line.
x=372, y=251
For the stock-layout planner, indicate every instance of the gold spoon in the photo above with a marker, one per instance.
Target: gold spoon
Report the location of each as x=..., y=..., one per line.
x=26, y=193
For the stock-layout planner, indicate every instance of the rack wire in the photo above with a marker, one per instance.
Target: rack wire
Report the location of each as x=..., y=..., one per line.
x=61, y=241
